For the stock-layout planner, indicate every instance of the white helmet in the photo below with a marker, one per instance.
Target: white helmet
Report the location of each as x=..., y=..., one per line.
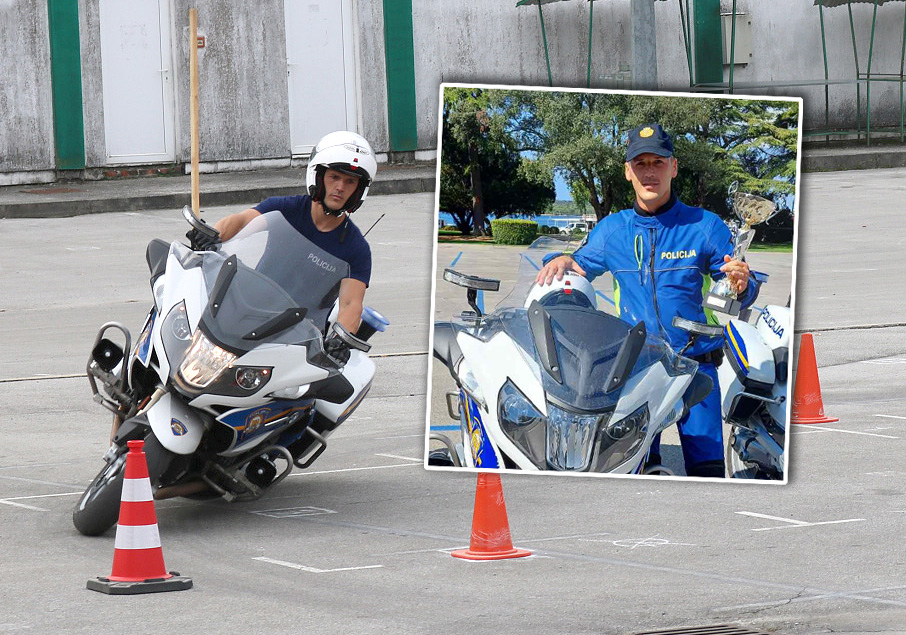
x=572, y=289
x=345, y=152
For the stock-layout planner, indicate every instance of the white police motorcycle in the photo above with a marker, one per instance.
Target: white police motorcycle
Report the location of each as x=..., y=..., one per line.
x=229, y=383
x=547, y=381
x=753, y=385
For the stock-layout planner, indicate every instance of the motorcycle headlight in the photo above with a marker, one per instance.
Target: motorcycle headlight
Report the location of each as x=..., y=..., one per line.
x=522, y=423
x=204, y=361
x=240, y=381
x=570, y=438
x=621, y=439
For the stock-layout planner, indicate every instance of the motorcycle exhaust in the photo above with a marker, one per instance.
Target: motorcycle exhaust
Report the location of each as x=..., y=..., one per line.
x=183, y=489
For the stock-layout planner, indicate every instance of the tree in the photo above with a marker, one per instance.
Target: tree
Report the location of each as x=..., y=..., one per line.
x=482, y=171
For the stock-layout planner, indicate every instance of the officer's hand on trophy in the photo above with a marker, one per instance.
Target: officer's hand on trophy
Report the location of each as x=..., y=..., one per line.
x=737, y=273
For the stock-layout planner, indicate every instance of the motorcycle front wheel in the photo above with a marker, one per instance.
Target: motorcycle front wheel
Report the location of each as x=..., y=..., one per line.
x=99, y=506
x=737, y=468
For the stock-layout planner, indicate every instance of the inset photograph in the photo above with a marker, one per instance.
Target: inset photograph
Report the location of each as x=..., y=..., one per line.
x=614, y=283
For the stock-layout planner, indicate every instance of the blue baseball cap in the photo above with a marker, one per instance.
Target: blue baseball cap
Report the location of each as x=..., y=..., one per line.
x=649, y=138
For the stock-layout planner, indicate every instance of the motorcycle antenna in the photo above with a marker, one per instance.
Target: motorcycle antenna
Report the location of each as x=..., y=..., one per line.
x=375, y=223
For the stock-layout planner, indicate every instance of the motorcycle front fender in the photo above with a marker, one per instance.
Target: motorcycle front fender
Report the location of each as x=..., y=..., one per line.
x=175, y=425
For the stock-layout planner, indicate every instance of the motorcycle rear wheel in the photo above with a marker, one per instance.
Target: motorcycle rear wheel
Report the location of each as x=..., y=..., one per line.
x=98, y=508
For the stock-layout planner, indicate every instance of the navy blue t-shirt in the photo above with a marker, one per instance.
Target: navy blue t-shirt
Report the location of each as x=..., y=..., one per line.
x=354, y=248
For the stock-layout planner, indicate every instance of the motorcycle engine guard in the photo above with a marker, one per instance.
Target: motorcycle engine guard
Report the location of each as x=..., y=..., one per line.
x=175, y=425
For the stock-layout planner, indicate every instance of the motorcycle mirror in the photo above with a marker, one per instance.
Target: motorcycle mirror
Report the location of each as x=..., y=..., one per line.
x=471, y=282
x=697, y=328
x=198, y=223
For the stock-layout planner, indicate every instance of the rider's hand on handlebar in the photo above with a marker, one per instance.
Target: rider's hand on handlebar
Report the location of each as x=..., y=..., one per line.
x=336, y=348
x=202, y=242
x=556, y=268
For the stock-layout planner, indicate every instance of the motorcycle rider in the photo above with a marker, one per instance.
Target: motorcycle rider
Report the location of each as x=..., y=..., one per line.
x=340, y=171
x=658, y=252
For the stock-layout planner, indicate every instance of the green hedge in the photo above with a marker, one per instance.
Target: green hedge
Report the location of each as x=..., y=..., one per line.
x=508, y=231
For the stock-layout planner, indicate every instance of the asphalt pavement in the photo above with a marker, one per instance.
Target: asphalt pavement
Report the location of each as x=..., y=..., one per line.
x=361, y=541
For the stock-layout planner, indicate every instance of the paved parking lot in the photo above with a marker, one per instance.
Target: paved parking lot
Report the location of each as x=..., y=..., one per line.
x=361, y=541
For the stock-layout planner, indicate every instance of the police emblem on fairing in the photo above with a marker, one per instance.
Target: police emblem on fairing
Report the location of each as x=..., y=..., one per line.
x=178, y=428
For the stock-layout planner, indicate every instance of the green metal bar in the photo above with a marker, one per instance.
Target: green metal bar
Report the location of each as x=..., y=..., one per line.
x=399, y=53
x=852, y=30
x=591, y=14
x=871, y=46
x=709, y=68
x=550, y=78
x=686, y=42
x=732, y=46
x=66, y=82
x=902, y=77
x=826, y=76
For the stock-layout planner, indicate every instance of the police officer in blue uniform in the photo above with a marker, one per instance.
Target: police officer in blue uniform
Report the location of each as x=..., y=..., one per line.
x=660, y=252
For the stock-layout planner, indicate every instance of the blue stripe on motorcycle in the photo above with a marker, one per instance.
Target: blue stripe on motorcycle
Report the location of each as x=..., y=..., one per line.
x=482, y=452
x=737, y=347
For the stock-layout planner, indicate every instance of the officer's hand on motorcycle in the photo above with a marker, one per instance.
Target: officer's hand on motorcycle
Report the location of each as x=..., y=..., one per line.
x=556, y=268
x=336, y=348
x=737, y=273
x=203, y=242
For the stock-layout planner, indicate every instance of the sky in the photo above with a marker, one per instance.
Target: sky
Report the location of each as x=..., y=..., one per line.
x=562, y=188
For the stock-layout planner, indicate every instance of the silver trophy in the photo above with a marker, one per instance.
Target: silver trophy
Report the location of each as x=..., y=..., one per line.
x=751, y=210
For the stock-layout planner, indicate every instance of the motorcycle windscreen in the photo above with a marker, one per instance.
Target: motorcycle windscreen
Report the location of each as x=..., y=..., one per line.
x=269, y=284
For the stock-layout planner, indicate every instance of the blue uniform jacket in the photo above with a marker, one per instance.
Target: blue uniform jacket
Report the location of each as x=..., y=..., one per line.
x=661, y=265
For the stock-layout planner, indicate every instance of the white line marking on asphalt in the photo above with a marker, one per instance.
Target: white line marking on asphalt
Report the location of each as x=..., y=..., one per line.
x=808, y=598
x=12, y=500
x=33, y=508
x=302, y=567
x=851, y=270
x=889, y=361
x=891, y=416
x=396, y=456
x=778, y=518
x=584, y=537
x=400, y=436
x=653, y=541
x=355, y=469
x=23, y=498
x=293, y=512
x=867, y=434
x=795, y=523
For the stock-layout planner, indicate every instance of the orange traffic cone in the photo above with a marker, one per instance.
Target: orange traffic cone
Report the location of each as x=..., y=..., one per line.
x=807, y=404
x=138, y=560
x=490, y=528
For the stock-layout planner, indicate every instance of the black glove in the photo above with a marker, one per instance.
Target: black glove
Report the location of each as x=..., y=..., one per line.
x=202, y=242
x=336, y=348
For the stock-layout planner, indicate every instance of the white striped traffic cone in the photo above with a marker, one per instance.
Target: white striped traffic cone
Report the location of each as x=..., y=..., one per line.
x=138, y=560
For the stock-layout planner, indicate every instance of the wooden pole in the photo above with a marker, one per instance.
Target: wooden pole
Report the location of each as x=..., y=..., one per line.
x=193, y=107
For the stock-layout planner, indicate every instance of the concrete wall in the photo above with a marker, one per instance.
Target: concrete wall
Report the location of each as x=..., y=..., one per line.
x=243, y=106
x=498, y=42
x=372, y=76
x=465, y=41
x=26, y=111
x=787, y=46
x=243, y=111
